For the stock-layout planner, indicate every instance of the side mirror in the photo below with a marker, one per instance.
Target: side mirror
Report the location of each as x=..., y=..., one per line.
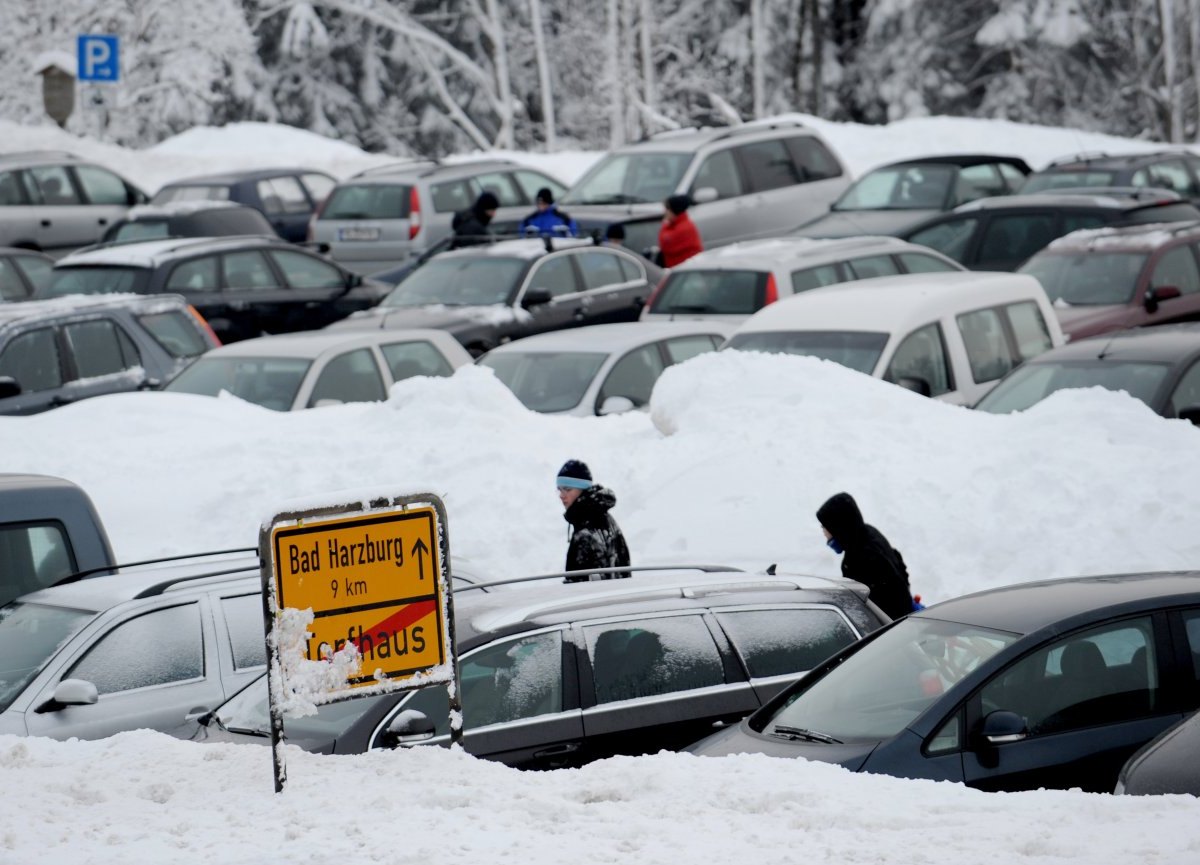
x=914, y=383
x=1157, y=294
x=1191, y=413
x=535, y=297
x=410, y=727
x=149, y=384
x=9, y=387
x=1001, y=727
x=354, y=280
x=705, y=194
x=616, y=405
x=70, y=692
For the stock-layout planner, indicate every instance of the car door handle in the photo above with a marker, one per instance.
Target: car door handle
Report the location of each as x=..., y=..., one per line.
x=102, y=221
x=56, y=401
x=558, y=750
x=46, y=223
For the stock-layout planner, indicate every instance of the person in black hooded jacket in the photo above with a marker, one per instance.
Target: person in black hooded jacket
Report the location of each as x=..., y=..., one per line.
x=595, y=538
x=868, y=557
x=472, y=226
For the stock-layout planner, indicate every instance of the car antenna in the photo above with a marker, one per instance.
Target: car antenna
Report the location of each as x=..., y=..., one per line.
x=1104, y=349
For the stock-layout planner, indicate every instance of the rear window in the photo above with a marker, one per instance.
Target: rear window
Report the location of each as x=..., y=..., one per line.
x=1175, y=212
x=191, y=193
x=95, y=280
x=1068, y=180
x=176, y=331
x=367, y=201
x=1094, y=277
x=857, y=350
x=717, y=292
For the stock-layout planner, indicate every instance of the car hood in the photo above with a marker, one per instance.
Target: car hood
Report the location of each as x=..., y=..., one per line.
x=741, y=739
x=848, y=223
x=1080, y=321
x=438, y=317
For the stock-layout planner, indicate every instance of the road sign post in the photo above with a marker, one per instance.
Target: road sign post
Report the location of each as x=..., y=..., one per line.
x=356, y=602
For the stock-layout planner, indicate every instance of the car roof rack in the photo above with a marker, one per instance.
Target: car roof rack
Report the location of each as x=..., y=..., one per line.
x=49, y=154
x=1082, y=156
x=108, y=569
x=398, y=165
x=619, y=572
x=445, y=166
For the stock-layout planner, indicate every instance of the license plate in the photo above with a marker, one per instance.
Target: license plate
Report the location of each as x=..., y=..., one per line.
x=358, y=233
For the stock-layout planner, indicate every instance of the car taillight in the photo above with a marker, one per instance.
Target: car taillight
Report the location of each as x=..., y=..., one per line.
x=311, y=235
x=204, y=325
x=772, y=293
x=414, y=213
x=649, y=307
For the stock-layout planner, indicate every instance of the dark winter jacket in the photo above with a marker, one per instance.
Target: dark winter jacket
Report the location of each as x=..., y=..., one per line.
x=471, y=227
x=678, y=239
x=596, y=539
x=550, y=222
x=869, y=558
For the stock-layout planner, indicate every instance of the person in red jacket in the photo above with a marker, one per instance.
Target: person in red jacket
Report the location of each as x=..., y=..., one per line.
x=678, y=239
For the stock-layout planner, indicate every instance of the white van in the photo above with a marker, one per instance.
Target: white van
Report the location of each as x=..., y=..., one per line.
x=947, y=335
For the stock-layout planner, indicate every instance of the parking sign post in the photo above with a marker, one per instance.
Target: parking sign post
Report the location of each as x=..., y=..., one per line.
x=99, y=58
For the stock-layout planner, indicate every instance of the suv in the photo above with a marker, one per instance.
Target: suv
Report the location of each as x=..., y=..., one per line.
x=55, y=352
x=243, y=286
x=287, y=196
x=1113, y=278
x=561, y=674
x=55, y=202
x=22, y=272
x=734, y=282
x=385, y=216
x=186, y=218
x=1176, y=170
x=1001, y=233
x=947, y=335
x=488, y=295
x=744, y=181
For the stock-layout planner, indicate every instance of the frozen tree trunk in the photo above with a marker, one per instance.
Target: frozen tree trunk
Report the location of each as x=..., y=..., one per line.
x=539, y=50
x=616, y=134
x=1174, y=98
x=648, y=87
x=818, y=57
x=504, y=136
x=756, y=56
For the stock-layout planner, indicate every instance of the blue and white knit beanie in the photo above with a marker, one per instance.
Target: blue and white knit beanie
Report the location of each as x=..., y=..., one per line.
x=575, y=475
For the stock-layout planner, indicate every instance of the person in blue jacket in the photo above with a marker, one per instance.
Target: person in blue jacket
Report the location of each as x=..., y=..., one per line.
x=548, y=220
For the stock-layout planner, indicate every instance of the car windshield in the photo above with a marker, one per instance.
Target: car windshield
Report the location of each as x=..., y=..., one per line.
x=248, y=712
x=94, y=280
x=546, y=381
x=466, y=280
x=271, y=382
x=726, y=292
x=879, y=690
x=1068, y=180
x=201, y=192
x=857, y=350
x=1092, y=278
x=30, y=635
x=1032, y=383
x=901, y=187
x=630, y=178
x=143, y=229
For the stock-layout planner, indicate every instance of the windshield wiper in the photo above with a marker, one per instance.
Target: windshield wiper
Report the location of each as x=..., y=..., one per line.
x=695, y=307
x=793, y=733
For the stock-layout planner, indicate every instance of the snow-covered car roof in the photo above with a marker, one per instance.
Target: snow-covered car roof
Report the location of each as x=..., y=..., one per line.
x=789, y=251
x=612, y=338
x=1133, y=238
x=34, y=310
x=152, y=253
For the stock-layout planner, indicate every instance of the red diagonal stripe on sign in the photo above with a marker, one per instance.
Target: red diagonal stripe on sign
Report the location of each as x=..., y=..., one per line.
x=403, y=617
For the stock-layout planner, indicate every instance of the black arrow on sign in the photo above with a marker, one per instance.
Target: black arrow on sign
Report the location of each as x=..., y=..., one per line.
x=420, y=550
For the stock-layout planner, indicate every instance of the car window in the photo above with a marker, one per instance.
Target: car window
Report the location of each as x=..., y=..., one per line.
x=978, y=181
x=648, y=657
x=1016, y=237
x=283, y=195
x=319, y=186
x=633, y=376
x=1036, y=381
x=248, y=270
x=546, y=381
x=1075, y=221
x=98, y=349
x=719, y=172
x=631, y=269
x=682, y=348
x=917, y=262
x=12, y=287
x=813, y=159
x=873, y=265
x=200, y=192
x=951, y=238
x=723, y=292
x=122, y=660
x=54, y=185
x=451, y=196
x=368, y=201
x=199, y=274
x=33, y=556
x=987, y=346
x=531, y=181
x=1172, y=174
x=32, y=359
x=37, y=270
x=1030, y=329
x=12, y=192
x=922, y=354
x=859, y=350
x=556, y=274
x=779, y=642
x=406, y=359
x=30, y=635
x=1101, y=676
x=1012, y=176
x=1177, y=267
x=815, y=277
x=350, y=377
x=600, y=269
x=1191, y=626
x=101, y=186
x=768, y=165
x=500, y=184
x=1187, y=391
x=244, y=621
x=306, y=271
x=177, y=332
x=271, y=382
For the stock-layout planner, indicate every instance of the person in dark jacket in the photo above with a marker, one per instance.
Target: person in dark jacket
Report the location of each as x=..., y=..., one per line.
x=868, y=557
x=471, y=225
x=678, y=238
x=548, y=220
x=595, y=538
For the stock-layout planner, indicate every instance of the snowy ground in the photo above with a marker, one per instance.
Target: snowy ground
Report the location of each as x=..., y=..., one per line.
x=731, y=464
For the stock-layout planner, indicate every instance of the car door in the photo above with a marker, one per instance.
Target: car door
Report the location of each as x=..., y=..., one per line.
x=101, y=358
x=316, y=290
x=657, y=682
x=33, y=358
x=921, y=358
x=151, y=669
x=953, y=236
x=286, y=204
x=632, y=377
x=771, y=179
x=108, y=197
x=1176, y=268
x=258, y=300
x=351, y=376
x=199, y=281
x=65, y=222
x=1089, y=700
x=719, y=190
x=568, y=304
x=611, y=294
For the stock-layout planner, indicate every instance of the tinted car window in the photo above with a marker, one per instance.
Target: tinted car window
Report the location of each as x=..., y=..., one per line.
x=247, y=270
x=97, y=348
x=12, y=287
x=813, y=158
x=873, y=265
x=951, y=238
x=600, y=269
x=11, y=190
x=283, y=195
x=100, y=186
x=1163, y=213
x=922, y=354
x=305, y=271
x=349, y=377
x=1191, y=623
x=367, y=201
x=451, y=196
x=500, y=184
x=244, y=620
x=176, y=332
x=459, y=281
x=142, y=229
x=54, y=185
x=768, y=165
x=781, y=642
x=916, y=262
x=36, y=270
x=719, y=172
x=122, y=661
x=1015, y=237
x=633, y=376
x=95, y=280
x=406, y=359
x=1030, y=329
x=199, y=274
x=556, y=274
x=1177, y=267
x=815, y=277
x=40, y=550
x=32, y=359
x=728, y=292
x=649, y=657
x=987, y=346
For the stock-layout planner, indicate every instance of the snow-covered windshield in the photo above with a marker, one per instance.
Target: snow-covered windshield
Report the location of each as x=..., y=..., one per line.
x=1033, y=383
x=546, y=381
x=1092, y=278
x=901, y=187
x=271, y=382
x=94, y=280
x=876, y=692
x=857, y=350
x=30, y=635
x=469, y=280
x=630, y=178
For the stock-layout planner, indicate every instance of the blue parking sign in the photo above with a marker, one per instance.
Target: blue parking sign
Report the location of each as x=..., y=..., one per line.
x=99, y=58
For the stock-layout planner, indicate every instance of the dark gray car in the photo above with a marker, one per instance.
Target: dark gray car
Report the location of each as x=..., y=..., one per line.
x=22, y=272
x=1167, y=764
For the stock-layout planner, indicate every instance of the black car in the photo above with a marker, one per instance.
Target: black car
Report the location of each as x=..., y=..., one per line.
x=1176, y=170
x=898, y=196
x=1001, y=233
x=488, y=295
x=1048, y=684
x=560, y=674
x=1166, y=764
x=22, y=272
x=288, y=196
x=186, y=218
x=244, y=286
x=1158, y=365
